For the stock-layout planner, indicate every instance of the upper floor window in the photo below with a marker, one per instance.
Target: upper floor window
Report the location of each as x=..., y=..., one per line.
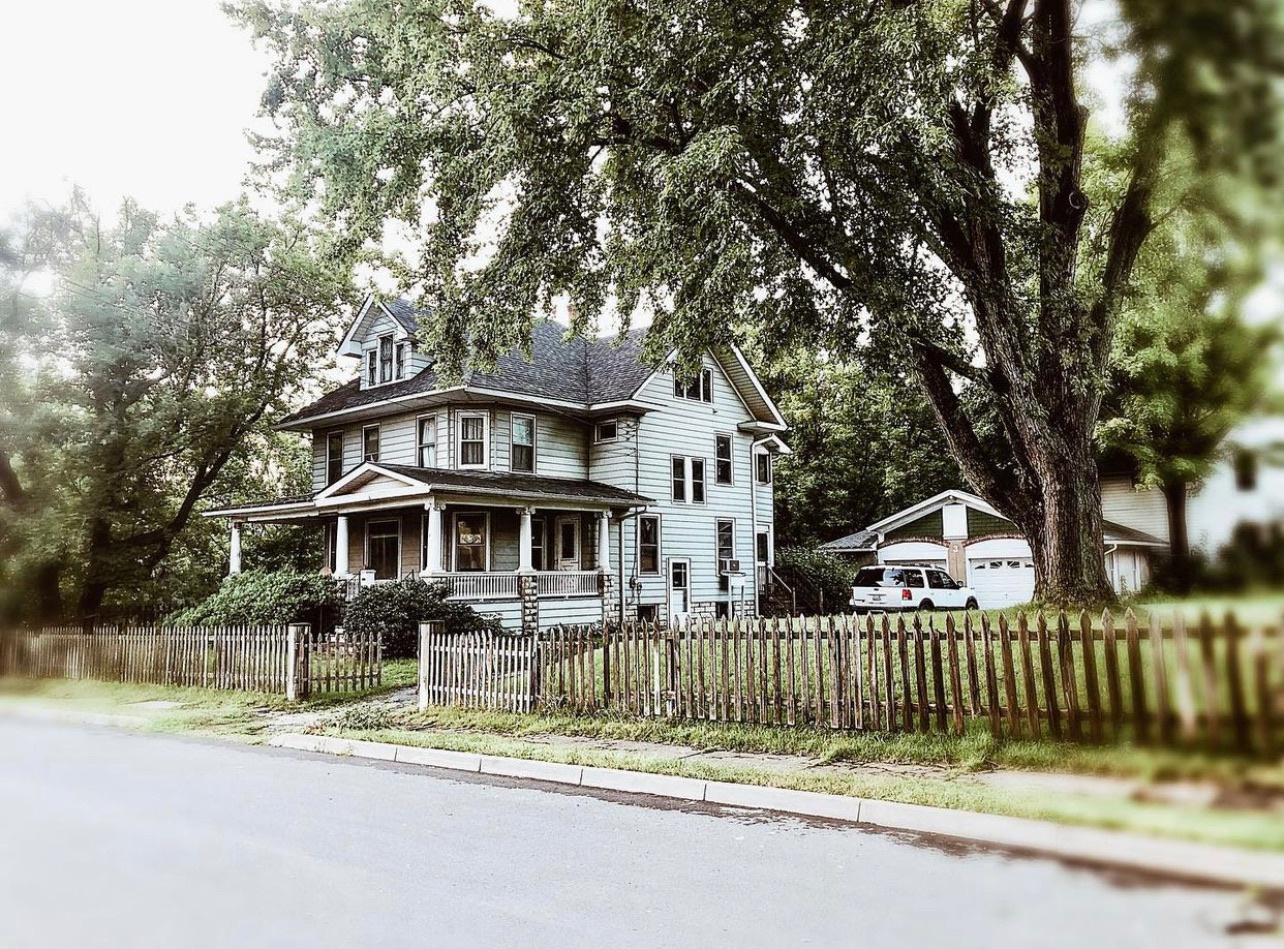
x=723, y=471
x=428, y=441
x=388, y=361
x=688, y=479
x=403, y=360
x=648, y=544
x=699, y=389
x=474, y=440
x=372, y=367
x=607, y=431
x=370, y=443
x=333, y=457
x=1245, y=470
x=762, y=467
x=523, y=443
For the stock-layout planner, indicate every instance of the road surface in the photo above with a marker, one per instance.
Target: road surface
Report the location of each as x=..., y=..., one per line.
x=117, y=839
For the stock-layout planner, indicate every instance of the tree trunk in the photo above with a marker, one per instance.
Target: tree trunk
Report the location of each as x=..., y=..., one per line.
x=1065, y=536
x=1182, y=568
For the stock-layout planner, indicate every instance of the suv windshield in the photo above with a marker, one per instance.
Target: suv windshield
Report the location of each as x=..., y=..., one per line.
x=879, y=577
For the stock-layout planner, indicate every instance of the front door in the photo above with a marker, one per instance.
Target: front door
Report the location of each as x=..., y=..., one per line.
x=679, y=588
x=568, y=542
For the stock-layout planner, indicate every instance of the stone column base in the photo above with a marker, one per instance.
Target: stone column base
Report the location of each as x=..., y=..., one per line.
x=528, y=591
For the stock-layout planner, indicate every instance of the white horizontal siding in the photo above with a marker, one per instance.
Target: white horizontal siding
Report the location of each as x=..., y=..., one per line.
x=1141, y=509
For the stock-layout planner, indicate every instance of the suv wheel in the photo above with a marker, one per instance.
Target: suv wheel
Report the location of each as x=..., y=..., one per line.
x=926, y=605
x=971, y=604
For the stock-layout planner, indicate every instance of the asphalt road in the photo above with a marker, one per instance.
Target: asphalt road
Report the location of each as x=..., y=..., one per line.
x=117, y=839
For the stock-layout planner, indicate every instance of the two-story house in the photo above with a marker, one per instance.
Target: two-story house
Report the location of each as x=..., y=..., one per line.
x=576, y=486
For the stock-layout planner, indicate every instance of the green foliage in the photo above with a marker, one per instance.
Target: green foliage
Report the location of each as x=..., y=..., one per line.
x=396, y=609
x=831, y=573
x=263, y=599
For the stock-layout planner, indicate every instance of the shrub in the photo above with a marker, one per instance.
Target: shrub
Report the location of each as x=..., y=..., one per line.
x=396, y=610
x=825, y=571
x=258, y=598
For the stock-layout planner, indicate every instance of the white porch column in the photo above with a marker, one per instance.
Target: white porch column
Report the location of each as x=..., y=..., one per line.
x=604, y=542
x=525, y=538
x=433, y=564
x=341, y=547
x=234, y=561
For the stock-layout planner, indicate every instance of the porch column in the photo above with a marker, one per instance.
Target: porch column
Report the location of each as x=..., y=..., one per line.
x=604, y=542
x=234, y=561
x=341, y=546
x=525, y=538
x=433, y=565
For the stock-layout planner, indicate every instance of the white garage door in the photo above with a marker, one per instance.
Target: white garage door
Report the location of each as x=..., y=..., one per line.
x=999, y=582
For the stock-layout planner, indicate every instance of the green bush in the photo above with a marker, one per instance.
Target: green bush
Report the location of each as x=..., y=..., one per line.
x=396, y=610
x=824, y=571
x=259, y=598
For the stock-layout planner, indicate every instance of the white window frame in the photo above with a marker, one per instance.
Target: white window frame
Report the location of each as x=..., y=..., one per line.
x=730, y=459
x=365, y=455
x=758, y=455
x=598, y=437
x=420, y=444
x=689, y=480
x=372, y=367
x=454, y=539
x=659, y=545
x=330, y=458
x=702, y=384
x=400, y=542
x=717, y=527
x=459, y=440
x=767, y=533
x=391, y=364
x=512, y=442
x=400, y=360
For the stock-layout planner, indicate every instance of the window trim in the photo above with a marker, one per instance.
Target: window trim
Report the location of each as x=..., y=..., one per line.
x=730, y=459
x=330, y=459
x=659, y=545
x=598, y=438
x=758, y=456
x=485, y=441
x=689, y=480
x=387, y=367
x=365, y=453
x=534, y=446
x=703, y=385
x=763, y=532
x=401, y=350
x=400, y=542
x=674, y=482
x=454, y=540
x=420, y=444
x=717, y=530
x=372, y=367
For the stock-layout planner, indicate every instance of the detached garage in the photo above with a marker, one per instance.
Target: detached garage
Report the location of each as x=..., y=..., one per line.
x=963, y=535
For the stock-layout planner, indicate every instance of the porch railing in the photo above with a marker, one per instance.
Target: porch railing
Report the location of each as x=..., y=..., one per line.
x=481, y=586
x=567, y=583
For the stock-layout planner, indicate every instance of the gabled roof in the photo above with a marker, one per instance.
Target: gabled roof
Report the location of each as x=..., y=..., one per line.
x=852, y=543
x=575, y=373
x=935, y=502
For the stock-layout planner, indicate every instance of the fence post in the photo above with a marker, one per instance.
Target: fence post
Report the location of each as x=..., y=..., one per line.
x=296, y=685
x=426, y=629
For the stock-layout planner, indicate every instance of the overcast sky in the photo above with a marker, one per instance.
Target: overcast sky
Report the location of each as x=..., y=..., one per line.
x=148, y=98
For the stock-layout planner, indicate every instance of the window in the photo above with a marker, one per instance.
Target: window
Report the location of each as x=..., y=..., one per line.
x=762, y=467
x=539, y=544
x=607, y=431
x=385, y=358
x=940, y=581
x=688, y=479
x=473, y=439
x=428, y=441
x=403, y=358
x=726, y=541
x=370, y=443
x=913, y=578
x=523, y=432
x=1245, y=470
x=699, y=389
x=723, y=472
x=472, y=551
x=423, y=543
x=763, y=548
x=372, y=367
x=648, y=544
x=331, y=548
x=333, y=457
x=383, y=548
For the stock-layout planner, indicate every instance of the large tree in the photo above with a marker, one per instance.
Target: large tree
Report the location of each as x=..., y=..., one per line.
x=907, y=170
x=161, y=353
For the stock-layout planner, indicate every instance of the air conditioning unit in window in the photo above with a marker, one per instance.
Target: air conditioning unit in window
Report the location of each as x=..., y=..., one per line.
x=728, y=566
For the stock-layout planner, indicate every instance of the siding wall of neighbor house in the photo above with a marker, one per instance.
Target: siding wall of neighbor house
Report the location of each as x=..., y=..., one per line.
x=980, y=524
x=1141, y=509
x=929, y=525
x=641, y=461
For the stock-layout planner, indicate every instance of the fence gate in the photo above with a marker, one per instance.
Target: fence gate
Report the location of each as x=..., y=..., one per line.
x=477, y=670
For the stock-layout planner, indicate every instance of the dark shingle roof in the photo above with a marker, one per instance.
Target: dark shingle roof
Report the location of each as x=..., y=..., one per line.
x=517, y=485
x=861, y=540
x=404, y=313
x=584, y=372
x=1119, y=534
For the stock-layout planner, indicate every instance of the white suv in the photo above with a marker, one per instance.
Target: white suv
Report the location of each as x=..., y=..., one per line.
x=909, y=587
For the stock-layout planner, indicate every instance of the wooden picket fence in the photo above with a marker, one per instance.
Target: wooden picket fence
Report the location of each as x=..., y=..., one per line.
x=1212, y=685
x=296, y=661
x=477, y=670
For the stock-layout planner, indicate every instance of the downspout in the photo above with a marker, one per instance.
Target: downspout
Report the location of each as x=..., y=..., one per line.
x=753, y=517
x=1114, y=548
x=619, y=580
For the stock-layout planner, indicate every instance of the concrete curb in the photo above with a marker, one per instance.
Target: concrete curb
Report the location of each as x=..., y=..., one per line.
x=1192, y=861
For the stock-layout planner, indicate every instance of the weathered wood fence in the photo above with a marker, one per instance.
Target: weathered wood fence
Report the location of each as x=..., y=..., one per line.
x=1212, y=685
x=296, y=661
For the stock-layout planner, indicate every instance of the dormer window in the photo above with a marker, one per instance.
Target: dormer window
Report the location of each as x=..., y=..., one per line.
x=385, y=358
x=699, y=389
x=388, y=361
x=403, y=358
x=372, y=367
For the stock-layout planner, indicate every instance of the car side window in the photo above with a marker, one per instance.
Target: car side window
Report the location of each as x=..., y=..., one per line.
x=939, y=581
x=913, y=578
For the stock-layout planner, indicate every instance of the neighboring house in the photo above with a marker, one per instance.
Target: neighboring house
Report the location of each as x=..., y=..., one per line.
x=1245, y=487
x=578, y=486
x=975, y=544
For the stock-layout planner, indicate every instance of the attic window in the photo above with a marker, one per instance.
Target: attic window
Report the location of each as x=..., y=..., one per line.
x=699, y=389
x=607, y=431
x=385, y=358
